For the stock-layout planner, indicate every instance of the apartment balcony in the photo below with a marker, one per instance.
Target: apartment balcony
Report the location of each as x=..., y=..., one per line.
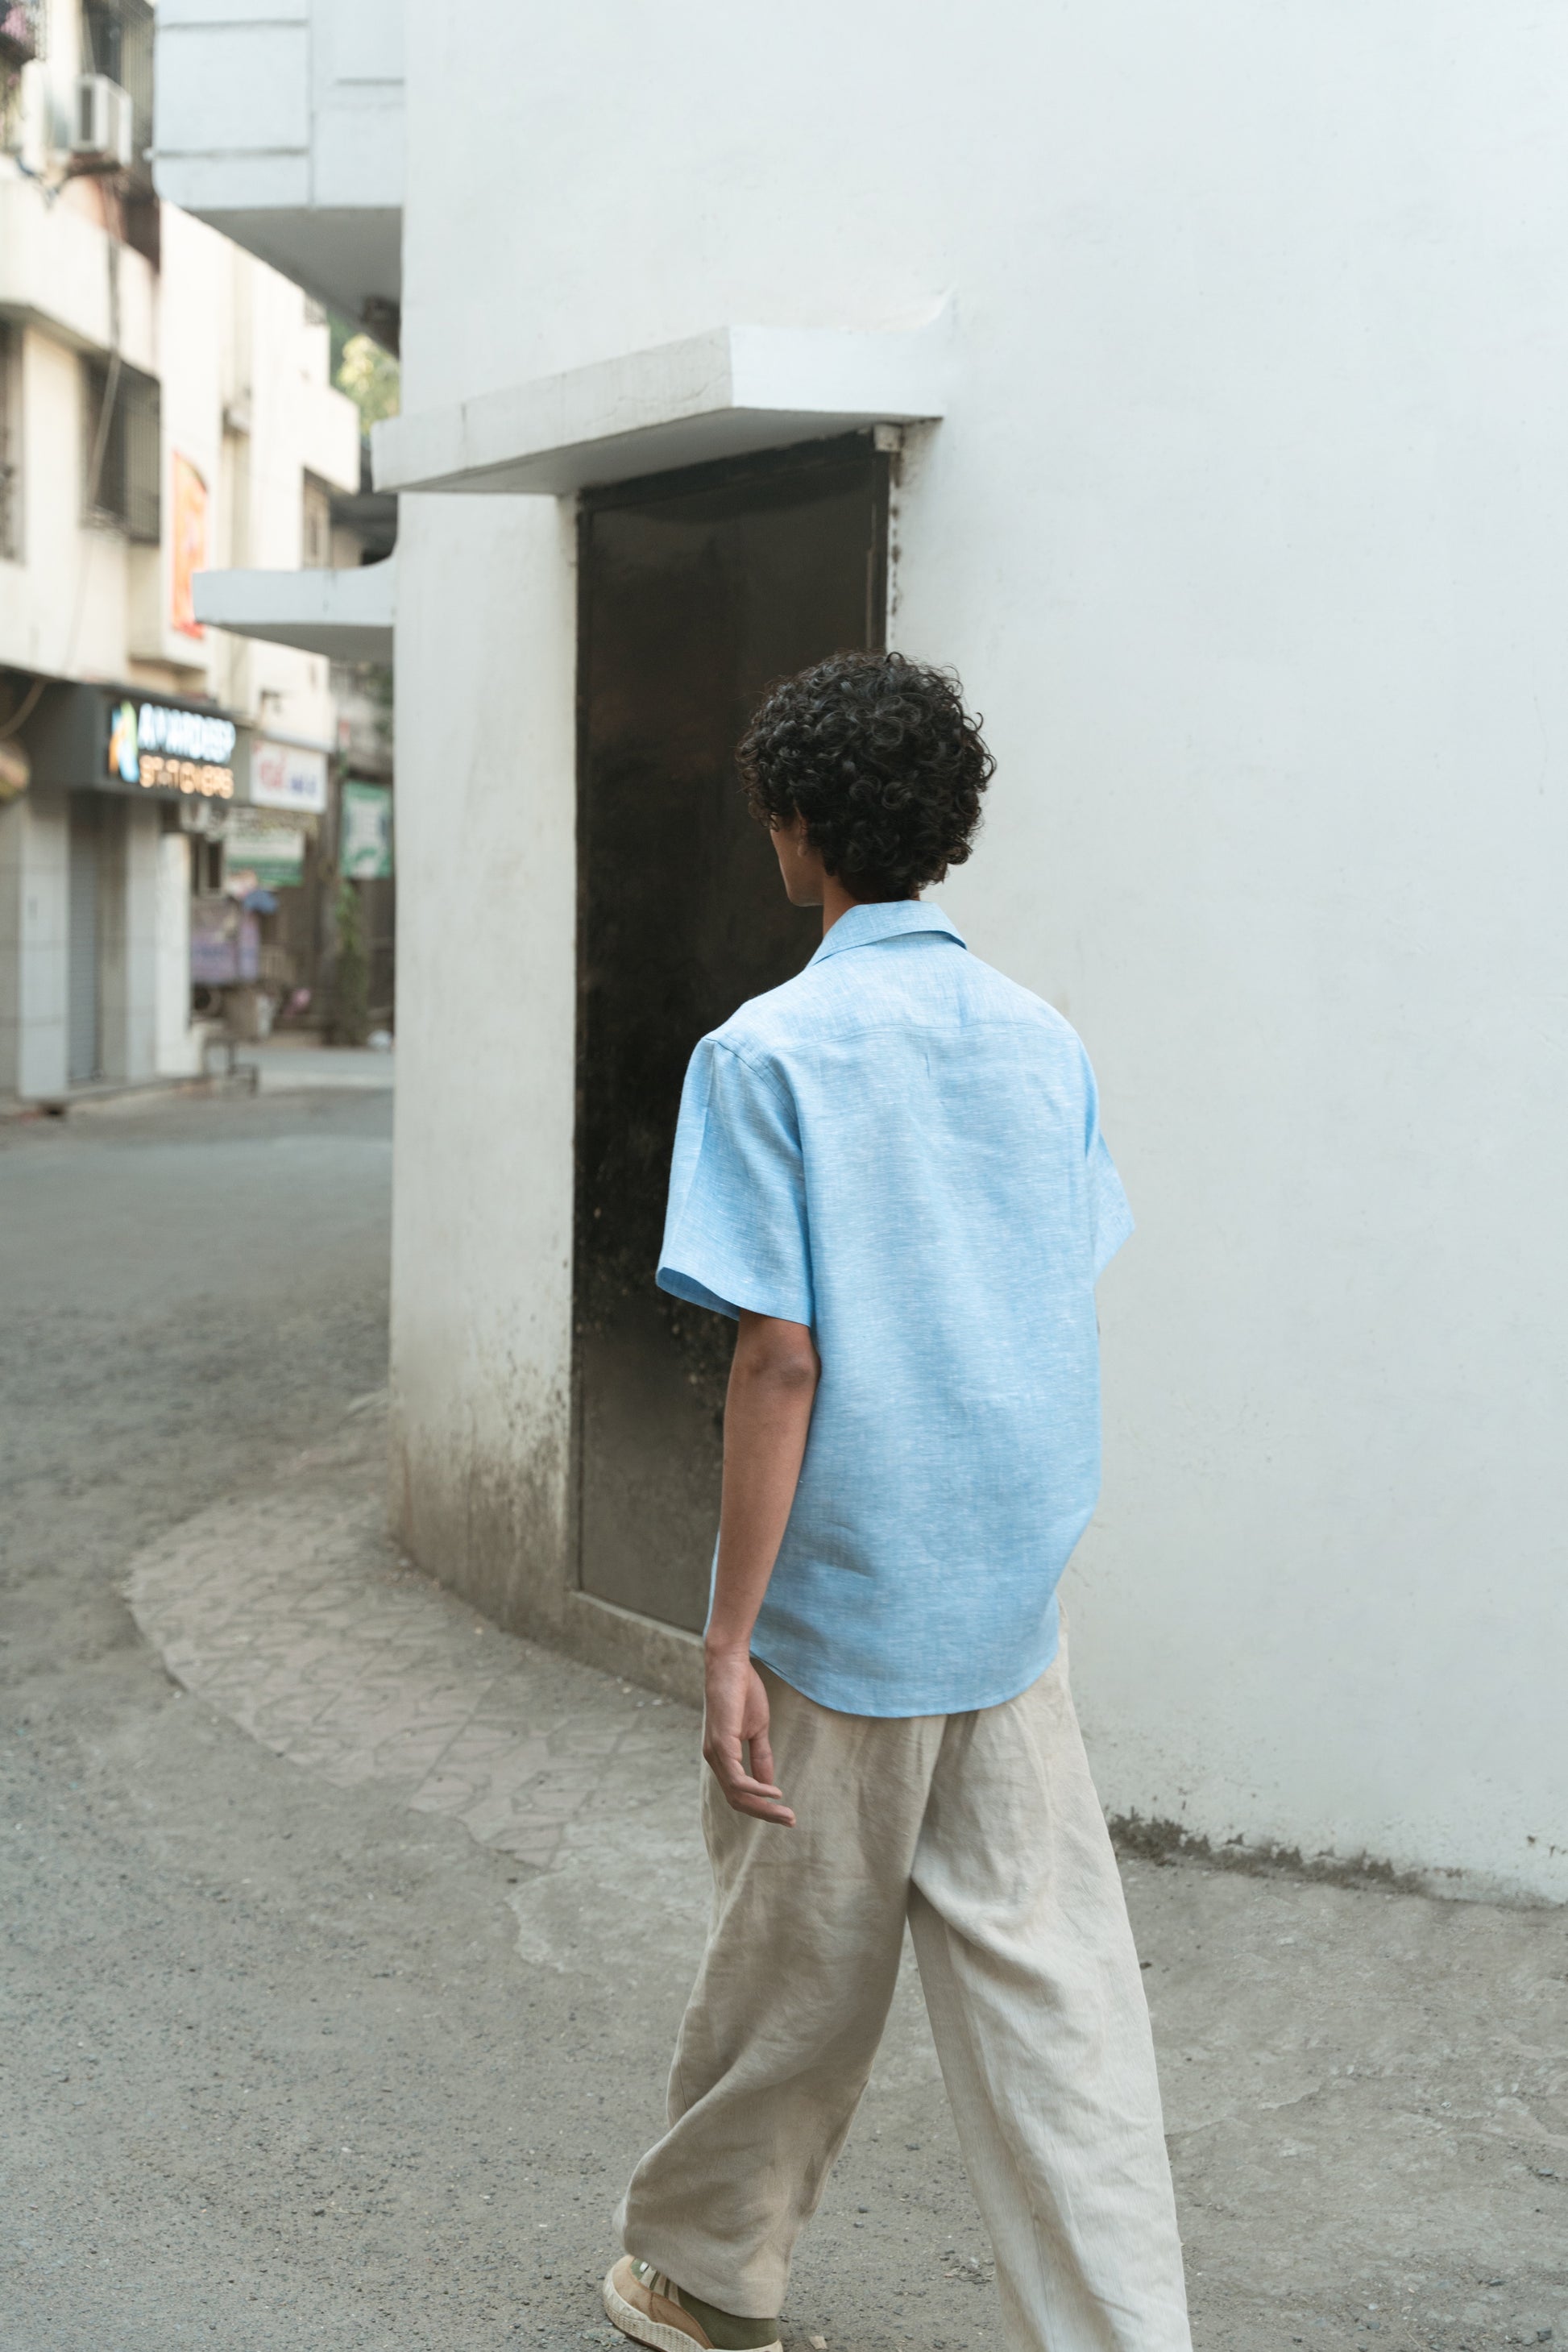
x=348, y=616
x=56, y=273
x=284, y=130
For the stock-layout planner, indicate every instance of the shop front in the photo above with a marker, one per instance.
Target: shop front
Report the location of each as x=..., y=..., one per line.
x=122, y=783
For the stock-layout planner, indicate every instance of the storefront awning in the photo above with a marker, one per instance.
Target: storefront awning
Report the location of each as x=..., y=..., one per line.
x=728, y=394
x=347, y=615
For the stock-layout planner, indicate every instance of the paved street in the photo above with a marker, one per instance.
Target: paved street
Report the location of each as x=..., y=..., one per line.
x=345, y=1935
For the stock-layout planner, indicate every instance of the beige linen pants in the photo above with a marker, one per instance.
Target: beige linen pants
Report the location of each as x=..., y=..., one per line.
x=985, y=1832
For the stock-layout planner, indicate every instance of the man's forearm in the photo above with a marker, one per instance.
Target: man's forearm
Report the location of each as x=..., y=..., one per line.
x=767, y=1416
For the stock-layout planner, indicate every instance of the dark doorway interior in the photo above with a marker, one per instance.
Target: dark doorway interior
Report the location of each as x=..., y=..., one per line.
x=696, y=589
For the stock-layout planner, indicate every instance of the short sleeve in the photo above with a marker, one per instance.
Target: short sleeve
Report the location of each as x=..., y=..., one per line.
x=1109, y=1218
x=735, y=1231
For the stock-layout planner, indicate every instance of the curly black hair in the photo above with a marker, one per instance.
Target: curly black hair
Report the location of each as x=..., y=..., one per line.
x=879, y=756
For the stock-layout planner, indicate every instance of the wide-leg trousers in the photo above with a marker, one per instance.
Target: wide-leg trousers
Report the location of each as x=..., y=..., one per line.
x=985, y=1832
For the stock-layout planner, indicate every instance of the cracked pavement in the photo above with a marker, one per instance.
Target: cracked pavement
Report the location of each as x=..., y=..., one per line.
x=345, y=1935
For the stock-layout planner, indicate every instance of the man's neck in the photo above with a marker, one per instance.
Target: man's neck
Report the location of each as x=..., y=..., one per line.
x=836, y=901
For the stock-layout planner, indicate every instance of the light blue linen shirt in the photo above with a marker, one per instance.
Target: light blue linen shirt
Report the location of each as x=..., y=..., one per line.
x=901, y=1150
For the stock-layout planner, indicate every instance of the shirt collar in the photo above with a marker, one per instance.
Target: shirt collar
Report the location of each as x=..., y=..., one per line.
x=861, y=926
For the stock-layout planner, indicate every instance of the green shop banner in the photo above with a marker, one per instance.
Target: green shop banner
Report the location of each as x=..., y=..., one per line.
x=364, y=851
x=265, y=854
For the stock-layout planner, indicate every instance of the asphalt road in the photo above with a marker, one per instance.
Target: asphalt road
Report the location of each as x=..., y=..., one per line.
x=291, y=2062
x=278, y=2070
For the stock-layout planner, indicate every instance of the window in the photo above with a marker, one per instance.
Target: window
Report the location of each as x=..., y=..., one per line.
x=117, y=40
x=122, y=451
x=316, y=535
x=10, y=442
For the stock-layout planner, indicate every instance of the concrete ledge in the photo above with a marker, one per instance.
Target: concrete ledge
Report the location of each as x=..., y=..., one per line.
x=244, y=1078
x=730, y=393
x=54, y=274
x=347, y=615
x=639, y=1649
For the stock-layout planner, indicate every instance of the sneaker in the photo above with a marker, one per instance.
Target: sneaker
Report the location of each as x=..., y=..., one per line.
x=651, y=2309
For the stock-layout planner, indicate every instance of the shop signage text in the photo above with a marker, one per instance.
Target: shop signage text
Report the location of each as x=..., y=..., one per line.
x=287, y=776
x=263, y=852
x=164, y=750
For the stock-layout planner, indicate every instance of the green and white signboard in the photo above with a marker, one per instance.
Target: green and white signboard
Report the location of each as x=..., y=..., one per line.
x=267, y=855
x=364, y=853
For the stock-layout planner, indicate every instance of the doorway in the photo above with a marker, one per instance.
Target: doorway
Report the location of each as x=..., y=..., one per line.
x=84, y=1045
x=696, y=589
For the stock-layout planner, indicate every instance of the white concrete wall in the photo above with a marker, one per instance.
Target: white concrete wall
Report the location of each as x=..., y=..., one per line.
x=1248, y=533
x=128, y=939
x=67, y=605
x=296, y=105
x=34, y=854
x=482, y=1205
x=176, y=1042
x=283, y=125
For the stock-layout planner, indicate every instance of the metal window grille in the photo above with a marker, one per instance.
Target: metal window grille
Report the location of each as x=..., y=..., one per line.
x=128, y=450
x=143, y=458
x=315, y=530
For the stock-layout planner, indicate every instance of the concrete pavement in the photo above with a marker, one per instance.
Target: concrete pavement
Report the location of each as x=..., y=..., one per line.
x=346, y=1935
x=298, y=1062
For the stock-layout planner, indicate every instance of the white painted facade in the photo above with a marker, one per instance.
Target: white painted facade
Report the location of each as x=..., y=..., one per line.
x=1246, y=523
x=282, y=125
x=240, y=363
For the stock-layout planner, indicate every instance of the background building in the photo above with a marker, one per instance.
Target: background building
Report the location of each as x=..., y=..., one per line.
x=1193, y=383
x=166, y=403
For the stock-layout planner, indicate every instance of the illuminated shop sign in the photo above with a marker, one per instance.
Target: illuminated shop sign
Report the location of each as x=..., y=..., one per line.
x=169, y=750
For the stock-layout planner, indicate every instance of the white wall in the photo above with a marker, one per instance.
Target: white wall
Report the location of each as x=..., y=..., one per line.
x=486, y=993
x=1248, y=533
x=33, y=851
x=128, y=939
x=64, y=606
x=177, y=1048
x=294, y=105
x=283, y=125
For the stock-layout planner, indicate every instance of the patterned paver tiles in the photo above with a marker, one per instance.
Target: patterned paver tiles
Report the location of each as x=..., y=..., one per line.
x=293, y=1618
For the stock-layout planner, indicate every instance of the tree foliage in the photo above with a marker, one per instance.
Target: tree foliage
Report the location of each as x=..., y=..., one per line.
x=369, y=376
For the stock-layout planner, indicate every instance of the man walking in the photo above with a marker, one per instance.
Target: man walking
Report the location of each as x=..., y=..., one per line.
x=890, y=1172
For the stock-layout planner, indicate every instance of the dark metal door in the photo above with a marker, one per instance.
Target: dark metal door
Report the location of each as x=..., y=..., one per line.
x=696, y=589
x=83, y=1050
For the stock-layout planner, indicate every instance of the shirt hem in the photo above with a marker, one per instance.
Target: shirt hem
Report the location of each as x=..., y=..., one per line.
x=811, y=1688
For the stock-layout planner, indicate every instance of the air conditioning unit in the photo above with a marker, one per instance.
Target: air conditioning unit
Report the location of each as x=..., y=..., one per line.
x=102, y=127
